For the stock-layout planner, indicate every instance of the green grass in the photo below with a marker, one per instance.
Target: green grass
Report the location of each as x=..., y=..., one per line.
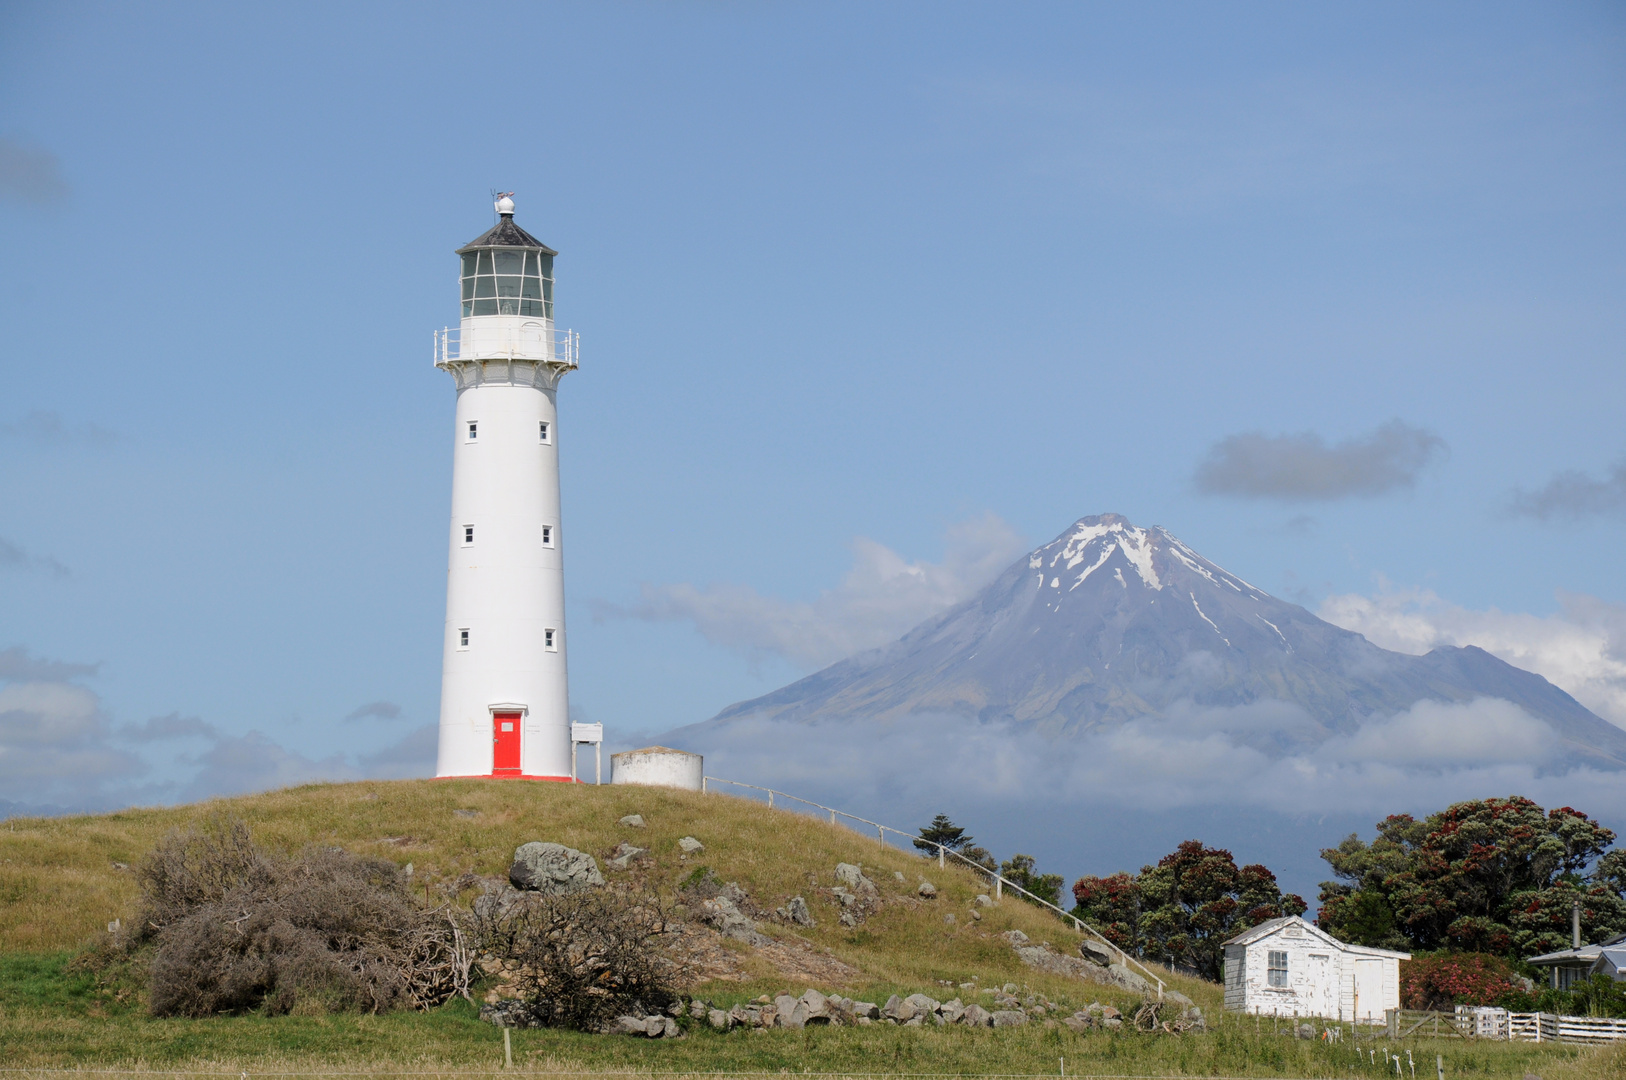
x=59, y=886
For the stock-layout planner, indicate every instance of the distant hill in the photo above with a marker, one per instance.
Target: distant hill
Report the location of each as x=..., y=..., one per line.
x=1111, y=622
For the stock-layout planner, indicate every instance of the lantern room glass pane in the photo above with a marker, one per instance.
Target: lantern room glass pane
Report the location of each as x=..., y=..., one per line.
x=468, y=288
x=531, y=289
x=485, y=287
x=468, y=265
x=510, y=262
x=468, y=308
x=485, y=307
x=531, y=267
x=485, y=262
x=508, y=286
x=532, y=308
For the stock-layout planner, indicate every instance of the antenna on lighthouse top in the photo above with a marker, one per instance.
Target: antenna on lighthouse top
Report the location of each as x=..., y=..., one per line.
x=505, y=203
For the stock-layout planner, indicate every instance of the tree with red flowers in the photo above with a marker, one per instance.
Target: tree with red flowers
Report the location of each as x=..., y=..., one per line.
x=1182, y=910
x=1490, y=875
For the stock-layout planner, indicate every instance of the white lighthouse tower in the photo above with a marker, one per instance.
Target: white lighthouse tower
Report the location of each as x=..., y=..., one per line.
x=504, y=702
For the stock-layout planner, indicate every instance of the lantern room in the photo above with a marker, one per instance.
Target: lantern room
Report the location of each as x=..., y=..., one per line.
x=507, y=271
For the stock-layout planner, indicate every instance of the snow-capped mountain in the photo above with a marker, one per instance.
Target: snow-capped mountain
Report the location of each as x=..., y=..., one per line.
x=1111, y=622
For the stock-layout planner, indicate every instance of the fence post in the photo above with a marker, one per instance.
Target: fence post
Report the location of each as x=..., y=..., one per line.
x=770, y=800
x=940, y=856
x=999, y=887
x=880, y=831
x=702, y=785
x=832, y=817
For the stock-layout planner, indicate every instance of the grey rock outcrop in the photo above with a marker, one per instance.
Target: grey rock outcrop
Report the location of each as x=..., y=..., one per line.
x=553, y=869
x=926, y=891
x=690, y=846
x=853, y=878
x=795, y=910
x=624, y=855
x=632, y=821
x=724, y=916
x=1097, y=953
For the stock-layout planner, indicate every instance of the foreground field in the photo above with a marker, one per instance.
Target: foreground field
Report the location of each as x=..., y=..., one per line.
x=63, y=880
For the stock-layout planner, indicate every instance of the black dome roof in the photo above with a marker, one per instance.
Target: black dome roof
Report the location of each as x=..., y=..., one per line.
x=506, y=234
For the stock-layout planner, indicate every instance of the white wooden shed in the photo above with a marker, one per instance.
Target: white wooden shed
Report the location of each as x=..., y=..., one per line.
x=1290, y=967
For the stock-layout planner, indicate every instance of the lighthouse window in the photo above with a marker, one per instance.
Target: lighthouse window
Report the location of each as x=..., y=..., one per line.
x=549, y=641
x=547, y=536
x=468, y=534
x=508, y=283
x=463, y=638
x=474, y=430
x=542, y=430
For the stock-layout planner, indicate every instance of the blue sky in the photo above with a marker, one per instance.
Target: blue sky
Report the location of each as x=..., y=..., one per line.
x=868, y=295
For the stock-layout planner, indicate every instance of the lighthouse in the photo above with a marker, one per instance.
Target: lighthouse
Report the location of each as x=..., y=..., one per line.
x=504, y=700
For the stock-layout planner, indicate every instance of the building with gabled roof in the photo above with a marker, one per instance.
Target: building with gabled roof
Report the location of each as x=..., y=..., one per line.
x=1291, y=967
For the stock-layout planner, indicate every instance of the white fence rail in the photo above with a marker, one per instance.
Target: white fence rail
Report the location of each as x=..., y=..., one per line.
x=1000, y=882
x=1549, y=1027
x=508, y=343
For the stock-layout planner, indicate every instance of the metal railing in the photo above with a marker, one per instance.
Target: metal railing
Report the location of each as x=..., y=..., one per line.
x=543, y=345
x=1000, y=882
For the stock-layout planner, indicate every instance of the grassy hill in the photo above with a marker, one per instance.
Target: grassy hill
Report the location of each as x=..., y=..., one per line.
x=62, y=880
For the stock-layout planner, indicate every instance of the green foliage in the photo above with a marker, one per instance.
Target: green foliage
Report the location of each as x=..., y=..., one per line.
x=1182, y=910
x=1491, y=875
x=953, y=837
x=1023, y=870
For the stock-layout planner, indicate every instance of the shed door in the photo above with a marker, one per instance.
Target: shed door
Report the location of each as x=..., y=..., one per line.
x=1322, y=988
x=1369, y=991
x=504, y=742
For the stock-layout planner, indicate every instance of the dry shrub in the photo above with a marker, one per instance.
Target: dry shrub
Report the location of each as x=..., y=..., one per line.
x=580, y=960
x=236, y=928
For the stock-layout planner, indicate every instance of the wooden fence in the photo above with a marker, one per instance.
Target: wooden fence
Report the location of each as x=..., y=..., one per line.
x=1489, y=1023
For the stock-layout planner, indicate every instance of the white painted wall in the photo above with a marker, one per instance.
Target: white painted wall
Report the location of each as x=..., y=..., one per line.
x=660, y=766
x=507, y=588
x=1326, y=978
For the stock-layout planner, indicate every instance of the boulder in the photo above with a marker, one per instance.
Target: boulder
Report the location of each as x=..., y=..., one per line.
x=1010, y=1018
x=795, y=910
x=864, y=1010
x=1306, y=1031
x=632, y=821
x=1131, y=980
x=697, y=1009
x=853, y=878
x=629, y=1025
x=624, y=854
x=1109, y=1013
x=720, y=1020
x=951, y=1011
x=1112, y=1023
x=690, y=846
x=1178, y=998
x=553, y=869
x=1097, y=953
x=948, y=920
x=1079, y=1025
x=977, y=1016
x=921, y=1004
x=926, y=891
x=818, y=1007
x=727, y=919
x=898, y=874
x=510, y=1013
x=983, y=900
x=1016, y=939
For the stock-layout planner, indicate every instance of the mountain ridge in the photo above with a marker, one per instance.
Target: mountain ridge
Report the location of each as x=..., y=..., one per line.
x=1111, y=623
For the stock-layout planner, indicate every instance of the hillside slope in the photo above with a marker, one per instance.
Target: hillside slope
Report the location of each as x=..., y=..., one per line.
x=62, y=880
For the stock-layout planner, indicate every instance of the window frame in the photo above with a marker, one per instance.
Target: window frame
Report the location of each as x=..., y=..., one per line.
x=471, y=431
x=550, y=639
x=547, y=536
x=544, y=432
x=462, y=639
x=468, y=536
x=1276, y=973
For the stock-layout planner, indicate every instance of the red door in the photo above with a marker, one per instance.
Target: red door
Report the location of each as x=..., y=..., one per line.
x=505, y=742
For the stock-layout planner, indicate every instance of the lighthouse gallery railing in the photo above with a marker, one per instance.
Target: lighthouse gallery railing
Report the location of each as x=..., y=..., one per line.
x=508, y=343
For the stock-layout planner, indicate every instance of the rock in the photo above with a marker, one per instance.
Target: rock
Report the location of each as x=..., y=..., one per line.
x=632, y=821
x=817, y=1005
x=983, y=900
x=629, y=1025
x=697, y=1009
x=898, y=874
x=1109, y=1013
x=1178, y=998
x=1077, y=1024
x=921, y=1004
x=720, y=1020
x=1011, y=988
x=1016, y=939
x=1130, y=980
x=976, y=915
x=948, y=920
x=689, y=845
x=1097, y=953
x=727, y=919
x=553, y=869
x=853, y=877
x=1010, y=1018
x=509, y=1013
x=893, y=1007
x=1112, y=1023
x=1037, y=1010
x=977, y=1016
x=676, y=1008
x=865, y=1010
x=926, y=891
x=795, y=910
x=848, y=919
x=624, y=854
x=1306, y=1031
x=951, y=1011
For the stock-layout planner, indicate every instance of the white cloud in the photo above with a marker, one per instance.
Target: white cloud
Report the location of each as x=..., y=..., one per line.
x=1582, y=649
x=879, y=599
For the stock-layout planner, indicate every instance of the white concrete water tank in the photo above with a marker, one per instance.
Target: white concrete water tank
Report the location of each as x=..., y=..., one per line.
x=660, y=766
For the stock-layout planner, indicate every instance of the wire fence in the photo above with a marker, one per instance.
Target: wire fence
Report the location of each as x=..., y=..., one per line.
x=1001, y=883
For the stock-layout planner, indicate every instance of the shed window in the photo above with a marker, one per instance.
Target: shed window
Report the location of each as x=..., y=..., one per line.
x=1277, y=968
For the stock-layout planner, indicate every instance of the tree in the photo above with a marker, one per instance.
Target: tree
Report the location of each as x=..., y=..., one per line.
x=1023, y=870
x=953, y=837
x=1183, y=909
x=1489, y=875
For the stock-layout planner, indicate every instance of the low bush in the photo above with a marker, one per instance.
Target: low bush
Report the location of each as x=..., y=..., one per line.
x=1443, y=981
x=581, y=960
x=234, y=928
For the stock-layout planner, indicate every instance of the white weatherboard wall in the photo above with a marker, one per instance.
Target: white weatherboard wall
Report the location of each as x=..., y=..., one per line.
x=1325, y=977
x=660, y=766
x=505, y=586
